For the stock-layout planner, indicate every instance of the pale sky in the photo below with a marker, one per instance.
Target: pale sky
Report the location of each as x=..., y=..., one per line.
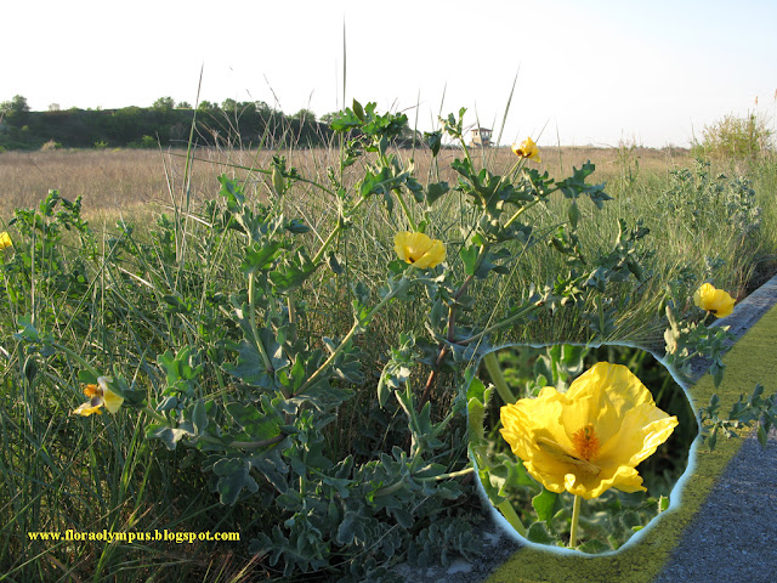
x=588, y=72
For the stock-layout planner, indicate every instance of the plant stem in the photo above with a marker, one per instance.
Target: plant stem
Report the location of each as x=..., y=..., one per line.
x=252, y=323
x=334, y=233
x=575, y=519
x=406, y=210
x=398, y=484
x=347, y=338
x=507, y=321
x=75, y=356
x=495, y=372
x=509, y=513
x=245, y=444
x=518, y=213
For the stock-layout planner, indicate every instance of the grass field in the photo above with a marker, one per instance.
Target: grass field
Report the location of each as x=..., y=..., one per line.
x=125, y=179
x=158, y=290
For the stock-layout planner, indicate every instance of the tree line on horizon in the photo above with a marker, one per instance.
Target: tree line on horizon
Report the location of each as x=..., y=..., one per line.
x=164, y=124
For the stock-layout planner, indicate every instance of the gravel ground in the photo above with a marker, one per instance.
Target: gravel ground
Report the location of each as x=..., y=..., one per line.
x=500, y=548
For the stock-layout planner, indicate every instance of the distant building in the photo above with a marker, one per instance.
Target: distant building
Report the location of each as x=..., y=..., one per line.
x=480, y=137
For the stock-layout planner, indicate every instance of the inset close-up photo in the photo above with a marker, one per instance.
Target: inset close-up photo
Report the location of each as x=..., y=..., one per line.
x=579, y=447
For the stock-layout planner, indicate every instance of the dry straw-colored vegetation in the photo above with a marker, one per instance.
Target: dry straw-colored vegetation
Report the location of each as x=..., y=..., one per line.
x=127, y=181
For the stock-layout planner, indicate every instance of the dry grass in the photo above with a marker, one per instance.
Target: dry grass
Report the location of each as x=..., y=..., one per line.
x=128, y=181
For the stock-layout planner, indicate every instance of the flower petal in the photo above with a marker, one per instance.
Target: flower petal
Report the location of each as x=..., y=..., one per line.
x=87, y=409
x=644, y=428
x=419, y=249
x=111, y=400
x=592, y=437
x=714, y=300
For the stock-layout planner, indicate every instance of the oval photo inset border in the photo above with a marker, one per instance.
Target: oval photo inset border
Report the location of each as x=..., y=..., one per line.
x=688, y=437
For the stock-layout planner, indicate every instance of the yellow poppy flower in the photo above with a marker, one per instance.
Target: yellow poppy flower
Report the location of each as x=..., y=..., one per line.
x=418, y=249
x=5, y=240
x=592, y=437
x=714, y=300
x=527, y=149
x=99, y=396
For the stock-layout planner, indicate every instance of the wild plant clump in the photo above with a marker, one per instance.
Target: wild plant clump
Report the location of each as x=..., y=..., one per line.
x=301, y=380
x=736, y=138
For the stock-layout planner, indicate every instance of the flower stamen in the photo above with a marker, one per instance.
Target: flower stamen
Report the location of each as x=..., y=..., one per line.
x=586, y=443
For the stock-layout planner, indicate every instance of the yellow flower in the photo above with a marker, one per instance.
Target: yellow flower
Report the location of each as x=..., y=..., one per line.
x=5, y=240
x=527, y=149
x=592, y=437
x=99, y=396
x=714, y=300
x=419, y=249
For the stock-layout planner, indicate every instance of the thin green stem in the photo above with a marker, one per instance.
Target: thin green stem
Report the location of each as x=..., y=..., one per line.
x=154, y=414
x=575, y=519
x=245, y=444
x=340, y=226
x=503, y=323
x=512, y=517
x=252, y=323
x=406, y=210
x=398, y=484
x=449, y=475
x=325, y=244
x=518, y=213
x=77, y=357
x=495, y=372
x=347, y=338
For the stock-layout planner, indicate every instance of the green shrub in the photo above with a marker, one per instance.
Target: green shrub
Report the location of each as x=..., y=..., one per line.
x=736, y=138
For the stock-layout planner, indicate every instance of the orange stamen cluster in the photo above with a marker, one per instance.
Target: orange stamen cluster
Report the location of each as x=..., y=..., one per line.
x=92, y=391
x=586, y=443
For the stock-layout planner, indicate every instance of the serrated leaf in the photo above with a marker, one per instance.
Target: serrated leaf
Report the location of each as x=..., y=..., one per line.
x=434, y=141
x=234, y=477
x=469, y=257
x=297, y=226
x=384, y=389
x=170, y=436
x=199, y=417
x=435, y=190
x=573, y=214
x=762, y=436
x=594, y=547
x=475, y=414
x=347, y=529
x=333, y=263
x=538, y=533
x=403, y=517
x=250, y=366
x=544, y=504
x=87, y=377
x=290, y=277
x=253, y=424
